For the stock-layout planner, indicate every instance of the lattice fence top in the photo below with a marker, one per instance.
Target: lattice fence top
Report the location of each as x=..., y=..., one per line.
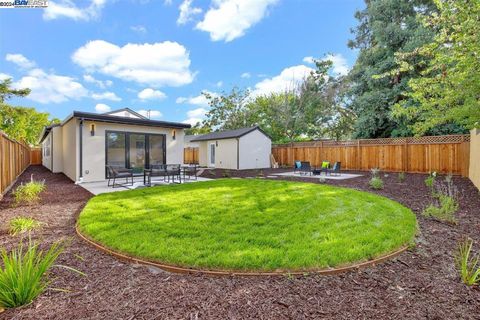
x=383, y=141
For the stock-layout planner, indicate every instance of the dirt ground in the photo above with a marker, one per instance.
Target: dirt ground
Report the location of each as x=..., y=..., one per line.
x=420, y=284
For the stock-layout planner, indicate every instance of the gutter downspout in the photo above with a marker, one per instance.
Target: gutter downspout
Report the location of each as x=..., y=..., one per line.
x=80, y=130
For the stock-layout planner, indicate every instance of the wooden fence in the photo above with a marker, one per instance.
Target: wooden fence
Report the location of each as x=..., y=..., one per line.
x=190, y=155
x=14, y=159
x=444, y=154
x=36, y=156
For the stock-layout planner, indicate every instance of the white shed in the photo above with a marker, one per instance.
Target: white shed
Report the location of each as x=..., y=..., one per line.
x=240, y=149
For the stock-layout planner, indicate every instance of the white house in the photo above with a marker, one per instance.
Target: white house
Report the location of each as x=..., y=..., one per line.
x=246, y=148
x=84, y=143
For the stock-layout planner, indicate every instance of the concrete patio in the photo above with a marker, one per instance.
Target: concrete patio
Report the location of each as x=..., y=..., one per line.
x=342, y=176
x=102, y=186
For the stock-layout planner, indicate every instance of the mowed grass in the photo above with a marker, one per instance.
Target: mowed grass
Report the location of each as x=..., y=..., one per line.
x=249, y=224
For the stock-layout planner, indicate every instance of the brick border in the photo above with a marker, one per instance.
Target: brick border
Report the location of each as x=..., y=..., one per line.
x=213, y=272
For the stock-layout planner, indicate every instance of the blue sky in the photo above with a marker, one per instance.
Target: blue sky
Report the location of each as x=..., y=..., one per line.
x=159, y=55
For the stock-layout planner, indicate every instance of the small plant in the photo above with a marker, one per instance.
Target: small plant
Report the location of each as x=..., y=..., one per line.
x=401, y=177
x=24, y=273
x=444, y=210
x=467, y=266
x=226, y=173
x=29, y=192
x=23, y=224
x=375, y=172
x=376, y=183
x=430, y=180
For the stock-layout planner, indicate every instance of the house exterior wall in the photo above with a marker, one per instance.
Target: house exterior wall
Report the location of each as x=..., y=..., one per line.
x=225, y=153
x=202, y=154
x=94, y=146
x=255, y=150
x=47, y=151
x=69, y=149
x=474, y=170
x=57, y=145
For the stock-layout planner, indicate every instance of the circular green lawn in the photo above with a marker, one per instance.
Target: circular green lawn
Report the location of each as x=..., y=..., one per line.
x=249, y=225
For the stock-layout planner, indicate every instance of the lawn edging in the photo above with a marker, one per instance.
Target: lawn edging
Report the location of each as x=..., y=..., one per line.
x=213, y=272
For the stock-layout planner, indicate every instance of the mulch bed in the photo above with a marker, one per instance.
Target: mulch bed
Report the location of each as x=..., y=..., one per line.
x=421, y=283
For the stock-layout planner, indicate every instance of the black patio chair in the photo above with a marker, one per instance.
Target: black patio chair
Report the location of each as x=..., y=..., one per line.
x=305, y=168
x=174, y=170
x=114, y=173
x=297, y=165
x=335, y=169
x=190, y=171
x=156, y=170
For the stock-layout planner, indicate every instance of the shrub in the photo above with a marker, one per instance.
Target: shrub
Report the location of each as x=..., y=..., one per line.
x=23, y=224
x=376, y=183
x=24, y=273
x=29, y=192
x=226, y=173
x=444, y=210
x=467, y=266
x=401, y=177
x=430, y=180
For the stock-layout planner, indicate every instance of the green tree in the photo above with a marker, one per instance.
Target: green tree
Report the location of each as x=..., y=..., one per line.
x=20, y=123
x=197, y=129
x=447, y=95
x=385, y=28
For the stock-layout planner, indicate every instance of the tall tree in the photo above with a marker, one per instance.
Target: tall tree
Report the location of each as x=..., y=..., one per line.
x=447, y=95
x=385, y=28
x=20, y=123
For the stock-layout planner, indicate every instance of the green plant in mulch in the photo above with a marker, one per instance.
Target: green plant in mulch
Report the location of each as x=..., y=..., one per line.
x=430, y=180
x=401, y=177
x=29, y=193
x=445, y=203
x=226, y=173
x=24, y=272
x=467, y=265
x=23, y=224
x=376, y=183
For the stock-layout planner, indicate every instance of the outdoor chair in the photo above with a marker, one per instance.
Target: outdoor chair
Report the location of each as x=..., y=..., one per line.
x=119, y=173
x=157, y=170
x=297, y=165
x=174, y=170
x=305, y=168
x=190, y=171
x=335, y=169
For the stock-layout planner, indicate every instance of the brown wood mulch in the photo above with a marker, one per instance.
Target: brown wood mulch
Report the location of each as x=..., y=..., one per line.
x=418, y=284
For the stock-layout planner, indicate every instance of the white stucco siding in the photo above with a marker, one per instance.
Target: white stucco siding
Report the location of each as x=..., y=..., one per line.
x=70, y=149
x=47, y=151
x=57, y=146
x=94, y=146
x=202, y=154
x=225, y=153
x=255, y=150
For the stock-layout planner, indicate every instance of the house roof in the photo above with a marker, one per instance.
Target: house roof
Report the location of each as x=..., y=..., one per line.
x=115, y=119
x=127, y=110
x=229, y=134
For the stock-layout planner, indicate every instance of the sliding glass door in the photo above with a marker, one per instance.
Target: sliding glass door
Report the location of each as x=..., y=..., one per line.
x=134, y=150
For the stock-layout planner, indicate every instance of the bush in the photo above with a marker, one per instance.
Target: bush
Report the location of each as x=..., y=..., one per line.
x=29, y=192
x=23, y=276
x=444, y=210
x=376, y=183
x=23, y=224
x=467, y=266
x=430, y=180
x=401, y=177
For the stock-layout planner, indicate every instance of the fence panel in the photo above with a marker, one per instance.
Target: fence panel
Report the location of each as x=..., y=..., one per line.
x=36, y=156
x=444, y=154
x=190, y=155
x=14, y=159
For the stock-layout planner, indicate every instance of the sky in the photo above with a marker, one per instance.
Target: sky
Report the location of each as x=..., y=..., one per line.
x=160, y=55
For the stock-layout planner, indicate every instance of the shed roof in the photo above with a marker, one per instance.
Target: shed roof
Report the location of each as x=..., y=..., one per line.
x=229, y=134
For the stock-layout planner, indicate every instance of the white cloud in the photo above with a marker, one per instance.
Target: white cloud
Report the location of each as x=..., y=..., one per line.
x=4, y=76
x=199, y=100
x=219, y=84
x=245, y=75
x=340, y=65
x=106, y=96
x=20, y=60
x=195, y=116
x=102, y=108
x=102, y=84
x=150, y=94
x=139, y=29
x=158, y=64
x=187, y=12
x=309, y=60
x=229, y=19
x=151, y=114
x=50, y=88
x=287, y=79
x=68, y=9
